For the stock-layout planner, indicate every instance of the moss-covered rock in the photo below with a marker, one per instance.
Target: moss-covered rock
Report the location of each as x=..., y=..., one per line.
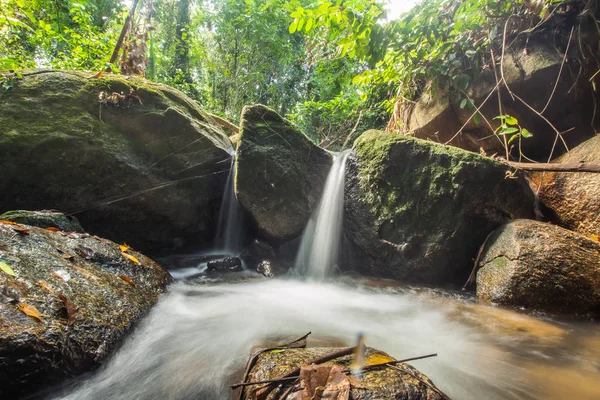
x=540, y=266
x=88, y=295
x=63, y=150
x=401, y=382
x=280, y=173
x=573, y=199
x=419, y=211
x=43, y=219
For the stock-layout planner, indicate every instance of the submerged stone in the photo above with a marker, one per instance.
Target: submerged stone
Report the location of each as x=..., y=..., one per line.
x=71, y=300
x=419, y=211
x=227, y=264
x=143, y=169
x=542, y=267
x=280, y=173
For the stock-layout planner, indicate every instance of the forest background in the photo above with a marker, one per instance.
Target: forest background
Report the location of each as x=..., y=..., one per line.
x=335, y=68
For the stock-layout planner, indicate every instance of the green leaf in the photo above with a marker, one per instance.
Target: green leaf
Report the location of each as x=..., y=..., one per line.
x=308, y=25
x=277, y=351
x=513, y=138
x=463, y=103
x=511, y=120
x=525, y=133
x=508, y=131
x=6, y=268
x=293, y=26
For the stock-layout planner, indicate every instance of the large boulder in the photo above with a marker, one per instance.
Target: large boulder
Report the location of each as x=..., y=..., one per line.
x=399, y=382
x=540, y=266
x=134, y=160
x=71, y=299
x=419, y=211
x=280, y=173
x=572, y=199
x=531, y=71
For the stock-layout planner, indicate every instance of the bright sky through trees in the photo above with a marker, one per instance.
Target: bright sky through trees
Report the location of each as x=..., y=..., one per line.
x=396, y=7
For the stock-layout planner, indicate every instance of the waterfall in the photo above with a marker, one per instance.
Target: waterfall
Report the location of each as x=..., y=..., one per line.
x=229, y=230
x=321, y=241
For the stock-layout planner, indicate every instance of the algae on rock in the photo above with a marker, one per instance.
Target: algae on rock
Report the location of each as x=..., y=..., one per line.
x=280, y=173
x=63, y=150
x=418, y=211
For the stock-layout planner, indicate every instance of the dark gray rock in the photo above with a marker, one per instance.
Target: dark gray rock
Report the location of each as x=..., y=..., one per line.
x=227, y=264
x=44, y=219
x=88, y=294
x=280, y=173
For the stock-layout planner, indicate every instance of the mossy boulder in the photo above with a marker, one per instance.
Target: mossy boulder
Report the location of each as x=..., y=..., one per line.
x=87, y=293
x=572, y=200
x=419, y=211
x=43, y=219
x=280, y=173
x=541, y=266
x=61, y=149
x=400, y=382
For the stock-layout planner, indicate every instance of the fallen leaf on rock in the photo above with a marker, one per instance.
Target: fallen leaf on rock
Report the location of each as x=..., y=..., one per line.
x=131, y=258
x=72, y=310
x=100, y=239
x=378, y=359
x=85, y=252
x=124, y=247
x=15, y=226
x=45, y=285
x=6, y=268
x=98, y=75
x=30, y=310
x=64, y=254
x=127, y=279
x=595, y=238
x=53, y=229
x=324, y=381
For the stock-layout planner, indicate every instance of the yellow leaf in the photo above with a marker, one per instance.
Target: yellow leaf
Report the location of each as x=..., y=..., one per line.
x=595, y=238
x=30, y=310
x=6, y=268
x=377, y=359
x=131, y=258
x=124, y=247
x=128, y=280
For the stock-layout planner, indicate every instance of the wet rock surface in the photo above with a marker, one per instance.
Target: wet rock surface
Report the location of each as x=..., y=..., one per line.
x=227, y=264
x=61, y=149
x=418, y=211
x=541, y=266
x=44, y=219
x=71, y=300
x=280, y=173
x=403, y=382
x=573, y=199
x=266, y=269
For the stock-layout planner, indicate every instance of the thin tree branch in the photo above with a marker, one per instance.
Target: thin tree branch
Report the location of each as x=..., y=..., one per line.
x=555, y=167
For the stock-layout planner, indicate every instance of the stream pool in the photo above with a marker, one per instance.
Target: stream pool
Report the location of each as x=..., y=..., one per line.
x=196, y=340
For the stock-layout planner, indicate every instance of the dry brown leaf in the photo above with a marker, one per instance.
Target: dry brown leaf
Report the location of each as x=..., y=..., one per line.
x=17, y=227
x=30, y=310
x=45, y=285
x=98, y=75
x=131, y=258
x=72, y=310
x=323, y=381
x=53, y=229
x=127, y=279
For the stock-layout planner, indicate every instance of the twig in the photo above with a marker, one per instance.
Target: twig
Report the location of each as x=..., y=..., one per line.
x=502, y=59
x=499, y=103
x=479, y=253
x=559, y=71
x=278, y=380
x=394, y=362
x=555, y=167
x=429, y=385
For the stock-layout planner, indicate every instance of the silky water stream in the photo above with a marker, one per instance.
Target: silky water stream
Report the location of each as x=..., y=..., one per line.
x=196, y=340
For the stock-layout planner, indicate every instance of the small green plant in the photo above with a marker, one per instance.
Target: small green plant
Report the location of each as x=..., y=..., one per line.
x=509, y=127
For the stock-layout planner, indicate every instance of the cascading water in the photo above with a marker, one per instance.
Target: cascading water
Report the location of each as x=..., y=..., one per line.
x=229, y=230
x=321, y=241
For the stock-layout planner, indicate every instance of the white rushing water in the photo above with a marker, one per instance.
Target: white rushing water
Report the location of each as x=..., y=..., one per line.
x=229, y=230
x=321, y=240
x=197, y=339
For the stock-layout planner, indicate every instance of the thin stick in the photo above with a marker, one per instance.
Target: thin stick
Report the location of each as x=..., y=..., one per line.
x=502, y=59
x=499, y=103
x=555, y=167
x=479, y=253
x=559, y=71
x=394, y=362
x=278, y=380
x=429, y=385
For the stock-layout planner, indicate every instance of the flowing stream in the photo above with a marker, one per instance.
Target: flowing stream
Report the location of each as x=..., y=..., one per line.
x=229, y=230
x=197, y=339
x=321, y=241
